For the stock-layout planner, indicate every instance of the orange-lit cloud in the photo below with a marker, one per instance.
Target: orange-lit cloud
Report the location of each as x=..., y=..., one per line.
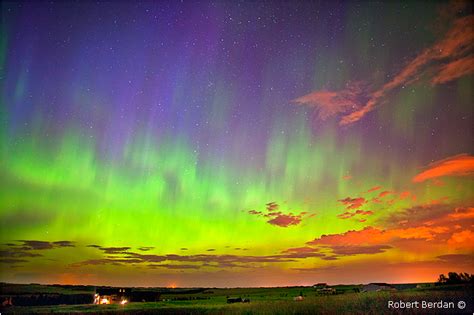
x=271, y=206
x=463, y=213
x=384, y=193
x=447, y=60
x=348, y=250
x=458, y=165
x=331, y=103
x=279, y=218
x=454, y=70
x=418, y=228
x=348, y=214
x=374, y=188
x=285, y=220
x=353, y=203
x=366, y=236
x=464, y=238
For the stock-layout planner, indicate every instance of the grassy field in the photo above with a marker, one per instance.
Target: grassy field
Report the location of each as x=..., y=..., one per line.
x=274, y=301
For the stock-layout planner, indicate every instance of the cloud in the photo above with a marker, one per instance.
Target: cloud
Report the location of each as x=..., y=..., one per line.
x=447, y=225
x=454, y=70
x=353, y=203
x=285, y=220
x=367, y=236
x=406, y=194
x=17, y=253
x=374, y=188
x=334, y=257
x=458, y=165
x=462, y=213
x=36, y=245
x=348, y=214
x=348, y=250
x=302, y=252
x=420, y=215
x=330, y=103
x=279, y=218
x=145, y=248
x=458, y=259
x=384, y=193
x=42, y=245
x=172, y=266
x=21, y=251
x=105, y=261
x=63, y=244
x=114, y=250
x=305, y=249
x=447, y=60
x=366, y=241
x=420, y=228
x=272, y=206
x=117, y=250
x=11, y=260
x=127, y=257
x=464, y=238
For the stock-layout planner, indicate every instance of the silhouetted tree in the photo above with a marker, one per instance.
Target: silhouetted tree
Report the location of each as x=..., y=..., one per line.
x=442, y=279
x=455, y=278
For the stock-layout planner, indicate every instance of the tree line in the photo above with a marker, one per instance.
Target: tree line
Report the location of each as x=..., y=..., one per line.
x=456, y=278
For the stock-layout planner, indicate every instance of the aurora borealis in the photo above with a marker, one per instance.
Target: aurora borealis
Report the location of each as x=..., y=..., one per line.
x=228, y=143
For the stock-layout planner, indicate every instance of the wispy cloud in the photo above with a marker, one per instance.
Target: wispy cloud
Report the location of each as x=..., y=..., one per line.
x=374, y=188
x=302, y=252
x=114, y=250
x=174, y=266
x=41, y=245
x=454, y=70
x=448, y=59
x=348, y=250
x=458, y=165
x=22, y=251
x=458, y=259
x=413, y=229
x=145, y=248
x=348, y=214
x=331, y=103
x=199, y=259
x=353, y=203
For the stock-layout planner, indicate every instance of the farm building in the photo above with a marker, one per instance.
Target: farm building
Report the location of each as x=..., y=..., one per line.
x=324, y=288
x=375, y=287
x=123, y=296
x=112, y=295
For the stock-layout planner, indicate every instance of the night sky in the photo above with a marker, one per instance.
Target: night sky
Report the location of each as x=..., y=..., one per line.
x=228, y=143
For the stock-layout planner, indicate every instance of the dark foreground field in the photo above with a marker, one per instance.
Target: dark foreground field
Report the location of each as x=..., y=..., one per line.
x=272, y=301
